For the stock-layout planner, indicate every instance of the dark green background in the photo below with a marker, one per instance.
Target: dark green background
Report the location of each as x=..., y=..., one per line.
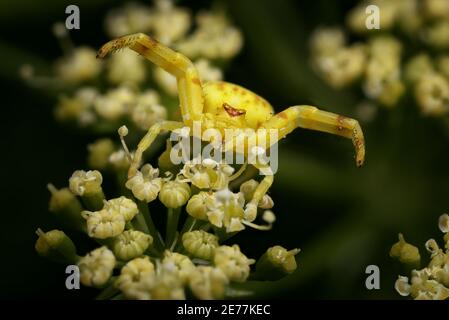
x=343, y=218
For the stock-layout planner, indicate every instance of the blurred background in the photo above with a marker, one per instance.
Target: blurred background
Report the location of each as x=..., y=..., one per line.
x=343, y=218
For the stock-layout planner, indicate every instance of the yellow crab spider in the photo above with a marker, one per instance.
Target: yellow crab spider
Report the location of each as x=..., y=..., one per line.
x=223, y=105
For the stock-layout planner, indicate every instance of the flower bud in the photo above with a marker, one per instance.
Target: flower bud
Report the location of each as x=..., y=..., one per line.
x=208, y=283
x=443, y=223
x=88, y=186
x=416, y=67
x=119, y=160
x=232, y=262
x=276, y=263
x=432, y=247
x=96, y=267
x=66, y=208
x=200, y=244
x=131, y=275
x=56, y=245
x=115, y=103
x=248, y=188
x=196, y=206
x=405, y=252
x=126, y=67
x=145, y=185
x=177, y=264
x=432, y=94
x=402, y=286
x=174, y=194
x=81, y=65
x=104, y=223
x=131, y=244
x=99, y=153
x=123, y=206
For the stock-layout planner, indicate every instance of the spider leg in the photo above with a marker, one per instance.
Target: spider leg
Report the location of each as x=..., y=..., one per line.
x=189, y=84
x=148, y=139
x=261, y=190
x=309, y=117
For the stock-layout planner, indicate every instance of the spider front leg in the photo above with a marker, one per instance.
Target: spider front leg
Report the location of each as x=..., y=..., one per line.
x=189, y=85
x=148, y=139
x=261, y=190
x=309, y=117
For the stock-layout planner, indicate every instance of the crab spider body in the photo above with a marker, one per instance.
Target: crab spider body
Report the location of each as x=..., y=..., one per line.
x=223, y=105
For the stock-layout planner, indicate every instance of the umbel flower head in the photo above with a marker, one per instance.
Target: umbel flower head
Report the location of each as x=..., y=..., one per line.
x=193, y=255
x=388, y=64
x=432, y=281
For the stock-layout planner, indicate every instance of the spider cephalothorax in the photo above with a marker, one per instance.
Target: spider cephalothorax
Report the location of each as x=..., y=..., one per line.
x=223, y=105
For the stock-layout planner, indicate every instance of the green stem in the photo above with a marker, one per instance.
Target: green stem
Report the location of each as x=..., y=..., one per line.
x=157, y=239
x=220, y=233
x=172, y=226
x=108, y=292
x=140, y=223
x=189, y=225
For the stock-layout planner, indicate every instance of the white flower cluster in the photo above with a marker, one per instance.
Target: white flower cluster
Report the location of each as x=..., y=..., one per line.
x=379, y=63
x=87, y=106
x=431, y=282
x=144, y=278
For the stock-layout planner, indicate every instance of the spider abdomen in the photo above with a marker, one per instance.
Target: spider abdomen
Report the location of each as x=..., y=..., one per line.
x=236, y=104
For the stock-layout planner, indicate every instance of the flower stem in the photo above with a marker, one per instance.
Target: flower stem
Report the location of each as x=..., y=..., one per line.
x=108, y=292
x=172, y=226
x=145, y=212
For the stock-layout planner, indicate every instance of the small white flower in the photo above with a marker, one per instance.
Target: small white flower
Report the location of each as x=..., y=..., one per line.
x=119, y=159
x=131, y=276
x=174, y=194
x=432, y=94
x=146, y=184
x=129, y=19
x=123, y=206
x=214, y=38
x=126, y=67
x=207, y=173
x=148, y=111
x=170, y=23
x=79, y=66
x=208, y=283
x=78, y=108
x=225, y=209
x=177, y=264
x=131, y=244
x=233, y=262
x=85, y=182
x=96, y=267
x=443, y=223
x=402, y=286
x=196, y=207
x=115, y=104
x=200, y=244
x=99, y=152
x=104, y=223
